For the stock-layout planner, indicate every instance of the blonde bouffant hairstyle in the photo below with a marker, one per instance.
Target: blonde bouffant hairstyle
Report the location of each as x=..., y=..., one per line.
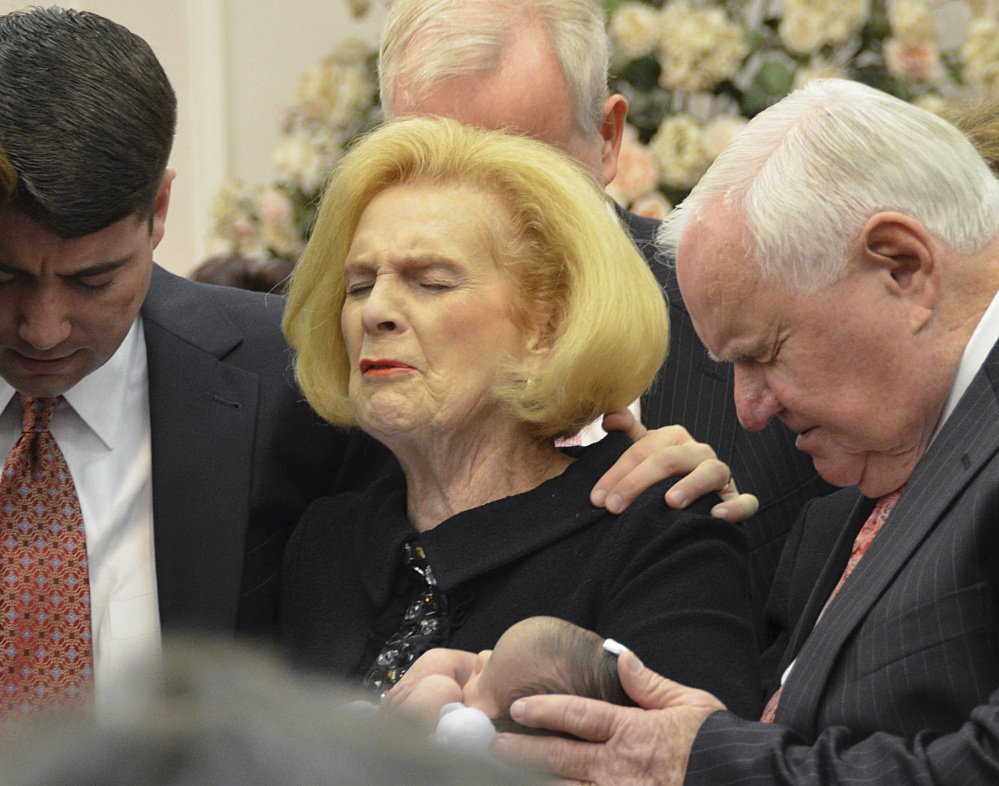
x=579, y=281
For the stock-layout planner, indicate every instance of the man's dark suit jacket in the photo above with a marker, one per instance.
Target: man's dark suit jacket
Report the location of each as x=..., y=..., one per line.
x=237, y=454
x=696, y=392
x=898, y=682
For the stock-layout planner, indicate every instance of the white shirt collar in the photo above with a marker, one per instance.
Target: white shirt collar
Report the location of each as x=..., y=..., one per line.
x=985, y=337
x=99, y=397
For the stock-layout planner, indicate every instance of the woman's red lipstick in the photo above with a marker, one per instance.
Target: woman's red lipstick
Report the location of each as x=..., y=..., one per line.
x=382, y=366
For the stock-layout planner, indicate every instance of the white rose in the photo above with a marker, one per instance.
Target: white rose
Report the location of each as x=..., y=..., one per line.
x=635, y=29
x=981, y=56
x=304, y=158
x=801, y=32
x=912, y=21
x=699, y=47
x=679, y=148
x=718, y=132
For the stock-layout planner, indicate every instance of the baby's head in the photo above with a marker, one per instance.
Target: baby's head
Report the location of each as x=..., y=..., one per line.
x=542, y=655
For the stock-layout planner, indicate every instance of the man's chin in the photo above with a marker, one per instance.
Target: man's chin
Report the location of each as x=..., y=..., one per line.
x=42, y=385
x=40, y=380
x=838, y=472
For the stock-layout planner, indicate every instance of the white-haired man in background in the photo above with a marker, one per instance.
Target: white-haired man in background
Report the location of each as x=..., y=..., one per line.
x=540, y=67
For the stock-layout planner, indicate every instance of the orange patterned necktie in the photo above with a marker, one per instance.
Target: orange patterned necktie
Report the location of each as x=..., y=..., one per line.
x=860, y=545
x=45, y=636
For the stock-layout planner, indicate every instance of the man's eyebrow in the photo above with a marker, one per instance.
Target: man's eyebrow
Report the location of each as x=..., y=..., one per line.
x=86, y=272
x=741, y=353
x=99, y=268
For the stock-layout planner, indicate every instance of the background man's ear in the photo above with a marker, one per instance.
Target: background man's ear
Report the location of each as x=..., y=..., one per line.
x=611, y=133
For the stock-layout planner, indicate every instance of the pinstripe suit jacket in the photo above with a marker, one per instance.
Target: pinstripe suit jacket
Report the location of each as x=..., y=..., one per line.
x=899, y=680
x=697, y=393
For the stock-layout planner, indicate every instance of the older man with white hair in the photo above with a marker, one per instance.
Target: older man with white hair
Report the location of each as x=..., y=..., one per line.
x=843, y=255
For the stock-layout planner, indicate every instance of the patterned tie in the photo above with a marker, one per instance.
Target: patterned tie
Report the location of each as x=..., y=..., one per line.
x=862, y=542
x=45, y=638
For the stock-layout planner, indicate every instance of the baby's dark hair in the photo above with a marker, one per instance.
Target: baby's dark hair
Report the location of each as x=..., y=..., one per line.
x=577, y=664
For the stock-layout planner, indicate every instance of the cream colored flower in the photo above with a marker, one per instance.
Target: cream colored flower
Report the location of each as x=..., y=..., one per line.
x=912, y=21
x=801, y=33
x=699, y=48
x=808, y=25
x=635, y=29
x=844, y=18
x=719, y=131
x=233, y=219
x=981, y=56
x=678, y=146
x=334, y=93
x=913, y=60
x=305, y=156
x=932, y=102
x=637, y=170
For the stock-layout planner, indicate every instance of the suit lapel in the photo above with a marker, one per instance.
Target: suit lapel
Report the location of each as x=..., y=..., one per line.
x=202, y=413
x=832, y=568
x=968, y=440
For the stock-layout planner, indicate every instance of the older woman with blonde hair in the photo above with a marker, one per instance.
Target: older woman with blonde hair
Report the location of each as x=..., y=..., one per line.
x=466, y=298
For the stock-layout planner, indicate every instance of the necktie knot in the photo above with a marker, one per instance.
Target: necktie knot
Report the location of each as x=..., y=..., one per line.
x=37, y=412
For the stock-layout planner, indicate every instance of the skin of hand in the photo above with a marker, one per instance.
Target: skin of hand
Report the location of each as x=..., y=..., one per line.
x=440, y=668
x=645, y=746
x=424, y=700
x=668, y=452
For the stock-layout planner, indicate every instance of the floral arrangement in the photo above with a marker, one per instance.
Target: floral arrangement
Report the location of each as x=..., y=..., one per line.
x=694, y=72
x=337, y=101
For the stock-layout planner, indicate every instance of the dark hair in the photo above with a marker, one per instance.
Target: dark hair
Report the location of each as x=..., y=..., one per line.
x=269, y=275
x=87, y=118
x=580, y=666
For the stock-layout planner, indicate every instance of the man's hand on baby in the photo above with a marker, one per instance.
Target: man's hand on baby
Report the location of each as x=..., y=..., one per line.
x=669, y=452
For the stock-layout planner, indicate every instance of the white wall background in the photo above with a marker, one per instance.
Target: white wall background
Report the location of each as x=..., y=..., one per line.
x=234, y=65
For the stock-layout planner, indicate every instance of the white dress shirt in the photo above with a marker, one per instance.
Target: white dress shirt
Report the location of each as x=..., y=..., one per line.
x=102, y=428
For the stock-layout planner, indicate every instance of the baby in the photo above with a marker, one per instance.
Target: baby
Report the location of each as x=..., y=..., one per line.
x=536, y=655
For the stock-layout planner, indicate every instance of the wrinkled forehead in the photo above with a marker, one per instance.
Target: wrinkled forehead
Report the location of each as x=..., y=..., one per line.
x=526, y=93
x=720, y=283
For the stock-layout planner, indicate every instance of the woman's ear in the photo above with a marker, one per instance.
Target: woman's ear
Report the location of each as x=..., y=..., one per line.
x=539, y=342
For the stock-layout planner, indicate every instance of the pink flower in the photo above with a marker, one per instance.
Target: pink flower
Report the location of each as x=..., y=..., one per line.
x=651, y=206
x=637, y=171
x=274, y=207
x=913, y=60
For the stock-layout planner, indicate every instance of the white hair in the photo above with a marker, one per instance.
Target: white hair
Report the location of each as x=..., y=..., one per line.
x=807, y=174
x=426, y=41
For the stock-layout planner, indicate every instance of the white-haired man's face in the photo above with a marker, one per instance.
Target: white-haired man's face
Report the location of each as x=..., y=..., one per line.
x=850, y=369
